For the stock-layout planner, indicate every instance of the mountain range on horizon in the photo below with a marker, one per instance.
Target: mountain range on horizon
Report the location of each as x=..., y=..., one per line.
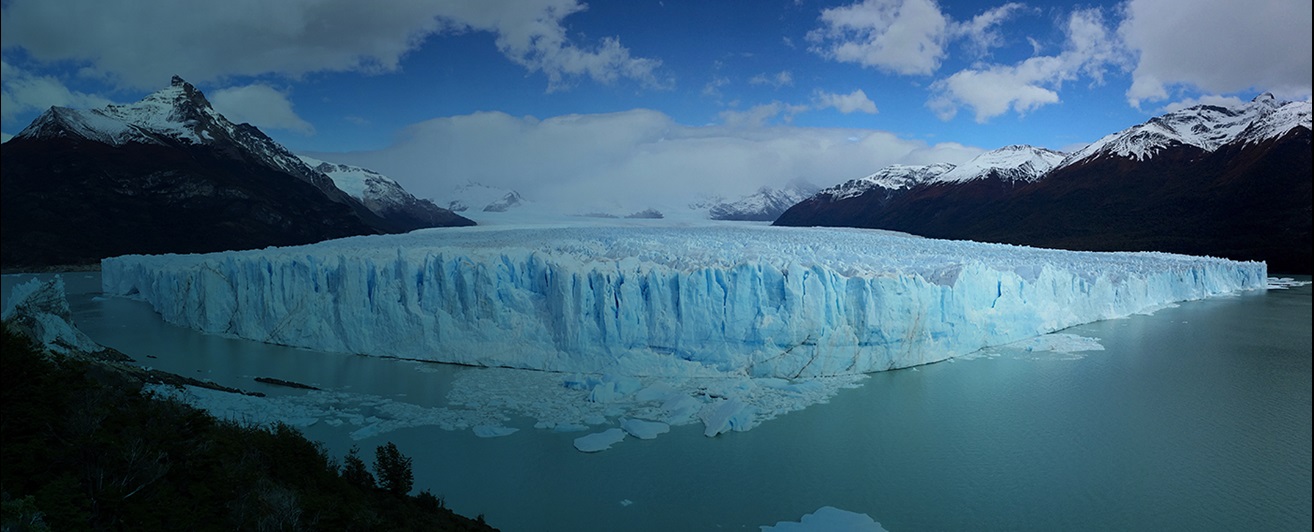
x=1232, y=182
x=168, y=174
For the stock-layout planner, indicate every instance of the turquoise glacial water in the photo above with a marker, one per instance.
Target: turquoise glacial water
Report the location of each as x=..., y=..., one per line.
x=1197, y=417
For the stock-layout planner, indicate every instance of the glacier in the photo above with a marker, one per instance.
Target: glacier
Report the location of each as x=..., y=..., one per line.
x=647, y=299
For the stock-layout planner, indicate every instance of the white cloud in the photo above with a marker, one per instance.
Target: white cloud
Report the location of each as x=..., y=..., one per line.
x=622, y=162
x=261, y=106
x=22, y=91
x=899, y=36
x=982, y=31
x=993, y=90
x=765, y=114
x=761, y=115
x=1219, y=46
x=713, y=87
x=1212, y=99
x=531, y=34
x=856, y=101
x=780, y=79
x=140, y=43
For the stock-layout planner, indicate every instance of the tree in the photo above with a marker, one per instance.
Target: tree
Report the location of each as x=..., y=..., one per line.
x=353, y=470
x=394, y=469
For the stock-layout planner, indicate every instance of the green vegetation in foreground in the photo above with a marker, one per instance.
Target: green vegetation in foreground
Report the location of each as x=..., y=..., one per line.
x=82, y=455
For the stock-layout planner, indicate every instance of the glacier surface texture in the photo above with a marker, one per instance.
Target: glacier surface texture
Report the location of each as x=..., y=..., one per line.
x=662, y=300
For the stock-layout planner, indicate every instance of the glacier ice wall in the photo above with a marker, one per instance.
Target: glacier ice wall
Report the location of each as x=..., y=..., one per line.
x=662, y=300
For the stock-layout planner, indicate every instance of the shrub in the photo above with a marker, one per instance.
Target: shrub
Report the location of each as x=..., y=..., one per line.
x=353, y=470
x=394, y=469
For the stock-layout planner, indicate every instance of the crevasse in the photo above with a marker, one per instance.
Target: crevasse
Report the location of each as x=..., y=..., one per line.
x=648, y=300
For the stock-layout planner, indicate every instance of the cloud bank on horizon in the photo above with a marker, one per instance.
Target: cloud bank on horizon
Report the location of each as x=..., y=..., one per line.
x=627, y=103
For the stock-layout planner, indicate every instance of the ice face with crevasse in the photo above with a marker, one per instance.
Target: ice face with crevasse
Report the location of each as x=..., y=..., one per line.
x=638, y=299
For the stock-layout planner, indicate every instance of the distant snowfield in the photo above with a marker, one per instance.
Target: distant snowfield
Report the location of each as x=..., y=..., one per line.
x=645, y=324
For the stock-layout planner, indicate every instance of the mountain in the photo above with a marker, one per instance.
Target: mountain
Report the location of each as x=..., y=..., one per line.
x=385, y=197
x=764, y=205
x=1233, y=182
x=1010, y=164
x=833, y=206
x=1206, y=127
x=167, y=174
x=891, y=178
x=483, y=198
x=992, y=175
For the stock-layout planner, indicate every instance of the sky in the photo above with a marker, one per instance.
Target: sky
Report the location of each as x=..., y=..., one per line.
x=627, y=104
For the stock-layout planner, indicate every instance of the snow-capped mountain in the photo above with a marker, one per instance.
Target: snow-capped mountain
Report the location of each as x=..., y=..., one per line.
x=179, y=115
x=1228, y=181
x=764, y=205
x=1206, y=127
x=893, y=177
x=166, y=174
x=478, y=197
x=1010, y=164
x=382, y=195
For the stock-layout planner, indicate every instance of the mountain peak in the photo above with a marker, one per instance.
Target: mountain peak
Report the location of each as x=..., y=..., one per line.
x=1015, y=162
x=1206, y=127
x=188, y=102
x=766, y=204
x=892, y=177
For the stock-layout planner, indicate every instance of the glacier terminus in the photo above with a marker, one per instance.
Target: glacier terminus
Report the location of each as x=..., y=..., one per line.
x=646, y=298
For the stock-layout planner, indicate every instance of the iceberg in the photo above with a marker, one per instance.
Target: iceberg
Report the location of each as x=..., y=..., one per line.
x=599, y=441
x=646, y=299
x=40, y=310
x=728, y=414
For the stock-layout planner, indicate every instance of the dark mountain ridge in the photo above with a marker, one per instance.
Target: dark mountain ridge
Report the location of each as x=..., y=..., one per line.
x=164, y=175
x=1238, y=187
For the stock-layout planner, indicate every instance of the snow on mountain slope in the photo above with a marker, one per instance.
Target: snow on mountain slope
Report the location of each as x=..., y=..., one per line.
x=1284, y=118
x=478, y=197
x=175, y=116
x=1204, y=126
x=893, y=177
x=363, y=184
x=764, y=205
x=1010, y=163
x=385, y=197
x=639, y=299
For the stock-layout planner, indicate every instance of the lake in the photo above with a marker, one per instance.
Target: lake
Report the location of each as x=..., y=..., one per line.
x=1197, y=417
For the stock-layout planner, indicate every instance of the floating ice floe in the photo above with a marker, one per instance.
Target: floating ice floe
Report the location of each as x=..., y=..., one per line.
x=1283, y=283
x=493, y=431
x=1058, y=343
x=599, y=441
x=829, y=519
x=644, y=430
x=1053, y=346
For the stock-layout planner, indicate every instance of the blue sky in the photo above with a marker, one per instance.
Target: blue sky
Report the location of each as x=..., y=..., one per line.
x=636, y=102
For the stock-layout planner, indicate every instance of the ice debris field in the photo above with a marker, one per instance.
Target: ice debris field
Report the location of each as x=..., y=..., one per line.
x=649, y=326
